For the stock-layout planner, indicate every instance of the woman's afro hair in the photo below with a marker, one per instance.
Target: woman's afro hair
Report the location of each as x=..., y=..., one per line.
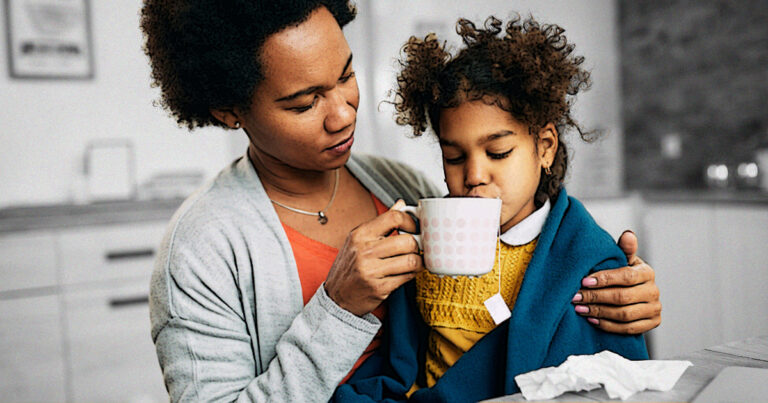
x=525, y=68
x=205, y=53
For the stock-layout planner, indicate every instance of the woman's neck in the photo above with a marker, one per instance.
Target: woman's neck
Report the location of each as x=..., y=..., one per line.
x=289, y=184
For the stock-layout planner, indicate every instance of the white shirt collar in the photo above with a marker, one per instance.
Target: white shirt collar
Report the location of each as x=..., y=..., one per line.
x=527, y=230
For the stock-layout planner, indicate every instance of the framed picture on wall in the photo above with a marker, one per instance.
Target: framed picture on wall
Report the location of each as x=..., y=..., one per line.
x=49, y=39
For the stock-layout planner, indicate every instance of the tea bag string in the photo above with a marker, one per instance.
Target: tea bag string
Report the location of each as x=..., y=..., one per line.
x=496, y=305
x=498, y=254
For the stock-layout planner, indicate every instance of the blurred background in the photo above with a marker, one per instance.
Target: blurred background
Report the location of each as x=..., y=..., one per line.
x=91, y=170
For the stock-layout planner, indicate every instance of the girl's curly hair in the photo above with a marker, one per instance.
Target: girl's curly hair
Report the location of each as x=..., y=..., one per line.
x=529, y=71
x=205, y=53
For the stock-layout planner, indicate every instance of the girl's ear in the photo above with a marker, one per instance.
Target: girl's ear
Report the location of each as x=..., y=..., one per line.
x=228, y=116
x=547, y=147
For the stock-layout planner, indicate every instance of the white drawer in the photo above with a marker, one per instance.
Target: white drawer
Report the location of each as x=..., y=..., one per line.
x=31, y=350
x=125, y=251
x=27, y=260
x=112, y=357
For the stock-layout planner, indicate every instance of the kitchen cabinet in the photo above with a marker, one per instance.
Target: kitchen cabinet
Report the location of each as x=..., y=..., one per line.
x=112, y=357
x=711, y=265
x=741, y=262
x=680, y=239
x=27, y=260
x=74, y=315
x=31, y=350
x=31, y=340
x=108, y=253
x=105, y=285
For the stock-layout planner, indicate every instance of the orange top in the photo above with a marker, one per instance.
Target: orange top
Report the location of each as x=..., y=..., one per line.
x=314, y=260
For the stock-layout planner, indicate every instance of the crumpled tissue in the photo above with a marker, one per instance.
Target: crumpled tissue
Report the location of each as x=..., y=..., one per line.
x=621, y=377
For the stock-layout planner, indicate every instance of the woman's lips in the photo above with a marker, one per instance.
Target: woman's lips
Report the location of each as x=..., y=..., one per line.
x=343, y=147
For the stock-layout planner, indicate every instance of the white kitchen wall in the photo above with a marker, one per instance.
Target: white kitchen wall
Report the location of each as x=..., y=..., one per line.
x=592, y=26
x=45, y=125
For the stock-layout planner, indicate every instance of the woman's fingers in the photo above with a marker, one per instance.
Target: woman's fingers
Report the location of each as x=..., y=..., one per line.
x=623, y=276
x=385, y=223
x=624, y=314
x=628, y=244
x=636, y=327
x=393, y=245
x=399, y=265
x=623, y=300
x=391, y=283
x=372, y=264
x=645, y=292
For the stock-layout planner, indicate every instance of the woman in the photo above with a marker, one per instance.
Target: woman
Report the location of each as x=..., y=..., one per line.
x=270, y=280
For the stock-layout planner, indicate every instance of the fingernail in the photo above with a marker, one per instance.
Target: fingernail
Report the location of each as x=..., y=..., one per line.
x=589, y=282
x=593, y=321
x=582, y=309
x=577, y=297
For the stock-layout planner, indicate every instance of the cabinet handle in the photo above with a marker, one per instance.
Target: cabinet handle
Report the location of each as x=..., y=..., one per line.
x=128, y=301
x=130, y=254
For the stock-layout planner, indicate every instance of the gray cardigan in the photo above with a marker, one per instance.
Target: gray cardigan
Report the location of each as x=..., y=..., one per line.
x=228, y=319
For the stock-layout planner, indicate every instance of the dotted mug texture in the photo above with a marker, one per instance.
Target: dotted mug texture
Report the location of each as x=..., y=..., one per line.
x=458, y=235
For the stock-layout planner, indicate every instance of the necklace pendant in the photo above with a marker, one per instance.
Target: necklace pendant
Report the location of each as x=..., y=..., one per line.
x=322, y=218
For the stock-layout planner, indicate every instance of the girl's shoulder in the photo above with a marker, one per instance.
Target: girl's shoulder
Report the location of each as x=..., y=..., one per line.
x=572, y=231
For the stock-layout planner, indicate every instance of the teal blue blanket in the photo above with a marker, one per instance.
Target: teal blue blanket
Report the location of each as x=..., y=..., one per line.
x=543, y=330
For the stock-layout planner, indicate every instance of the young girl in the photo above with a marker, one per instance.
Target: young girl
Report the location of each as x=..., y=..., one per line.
x=499, y=109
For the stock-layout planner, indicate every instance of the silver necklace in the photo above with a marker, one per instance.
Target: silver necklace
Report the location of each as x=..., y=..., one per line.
x=321, y=217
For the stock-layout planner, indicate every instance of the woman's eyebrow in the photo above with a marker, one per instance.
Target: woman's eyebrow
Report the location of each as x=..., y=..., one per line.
x=346, y=66
x=314, y=88
x=305, y=91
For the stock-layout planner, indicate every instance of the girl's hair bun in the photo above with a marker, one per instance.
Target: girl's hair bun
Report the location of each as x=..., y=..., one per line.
x=418, y=82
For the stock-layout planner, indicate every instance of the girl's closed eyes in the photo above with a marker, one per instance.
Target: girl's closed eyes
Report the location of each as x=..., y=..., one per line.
x=499, y=156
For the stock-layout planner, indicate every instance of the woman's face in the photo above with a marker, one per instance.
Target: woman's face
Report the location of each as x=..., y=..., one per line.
x=487, y=153
x=303, y=113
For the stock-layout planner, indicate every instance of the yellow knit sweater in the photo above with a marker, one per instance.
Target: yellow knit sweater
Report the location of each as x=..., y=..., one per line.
x=454, y=310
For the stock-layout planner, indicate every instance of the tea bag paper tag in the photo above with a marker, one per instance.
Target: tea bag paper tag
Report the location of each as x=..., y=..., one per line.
x=497, y=308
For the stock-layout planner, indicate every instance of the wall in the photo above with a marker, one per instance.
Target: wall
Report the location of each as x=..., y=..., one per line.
x=694, y=75
x=596, y=168
x=46, y=124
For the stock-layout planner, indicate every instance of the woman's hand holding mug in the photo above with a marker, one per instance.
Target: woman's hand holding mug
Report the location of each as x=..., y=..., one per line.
x=372, y=264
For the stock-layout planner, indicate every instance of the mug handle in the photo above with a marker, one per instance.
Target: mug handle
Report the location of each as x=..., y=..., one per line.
x=413, y=210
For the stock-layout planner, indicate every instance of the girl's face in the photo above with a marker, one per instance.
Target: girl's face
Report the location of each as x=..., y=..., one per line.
x=487, y=153
x=303, y=113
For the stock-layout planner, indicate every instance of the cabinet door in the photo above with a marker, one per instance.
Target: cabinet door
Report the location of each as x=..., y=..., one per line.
x=27, y=260
x=116, y=252
x=112, y=357
x=680, y=241
x=31, y=351
x=742, y=267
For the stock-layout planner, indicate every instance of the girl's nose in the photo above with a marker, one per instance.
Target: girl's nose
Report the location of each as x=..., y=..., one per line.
x=342, y=111
x=475, y=173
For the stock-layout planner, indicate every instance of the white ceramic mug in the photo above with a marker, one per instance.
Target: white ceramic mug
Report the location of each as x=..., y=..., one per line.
x=458, y=234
